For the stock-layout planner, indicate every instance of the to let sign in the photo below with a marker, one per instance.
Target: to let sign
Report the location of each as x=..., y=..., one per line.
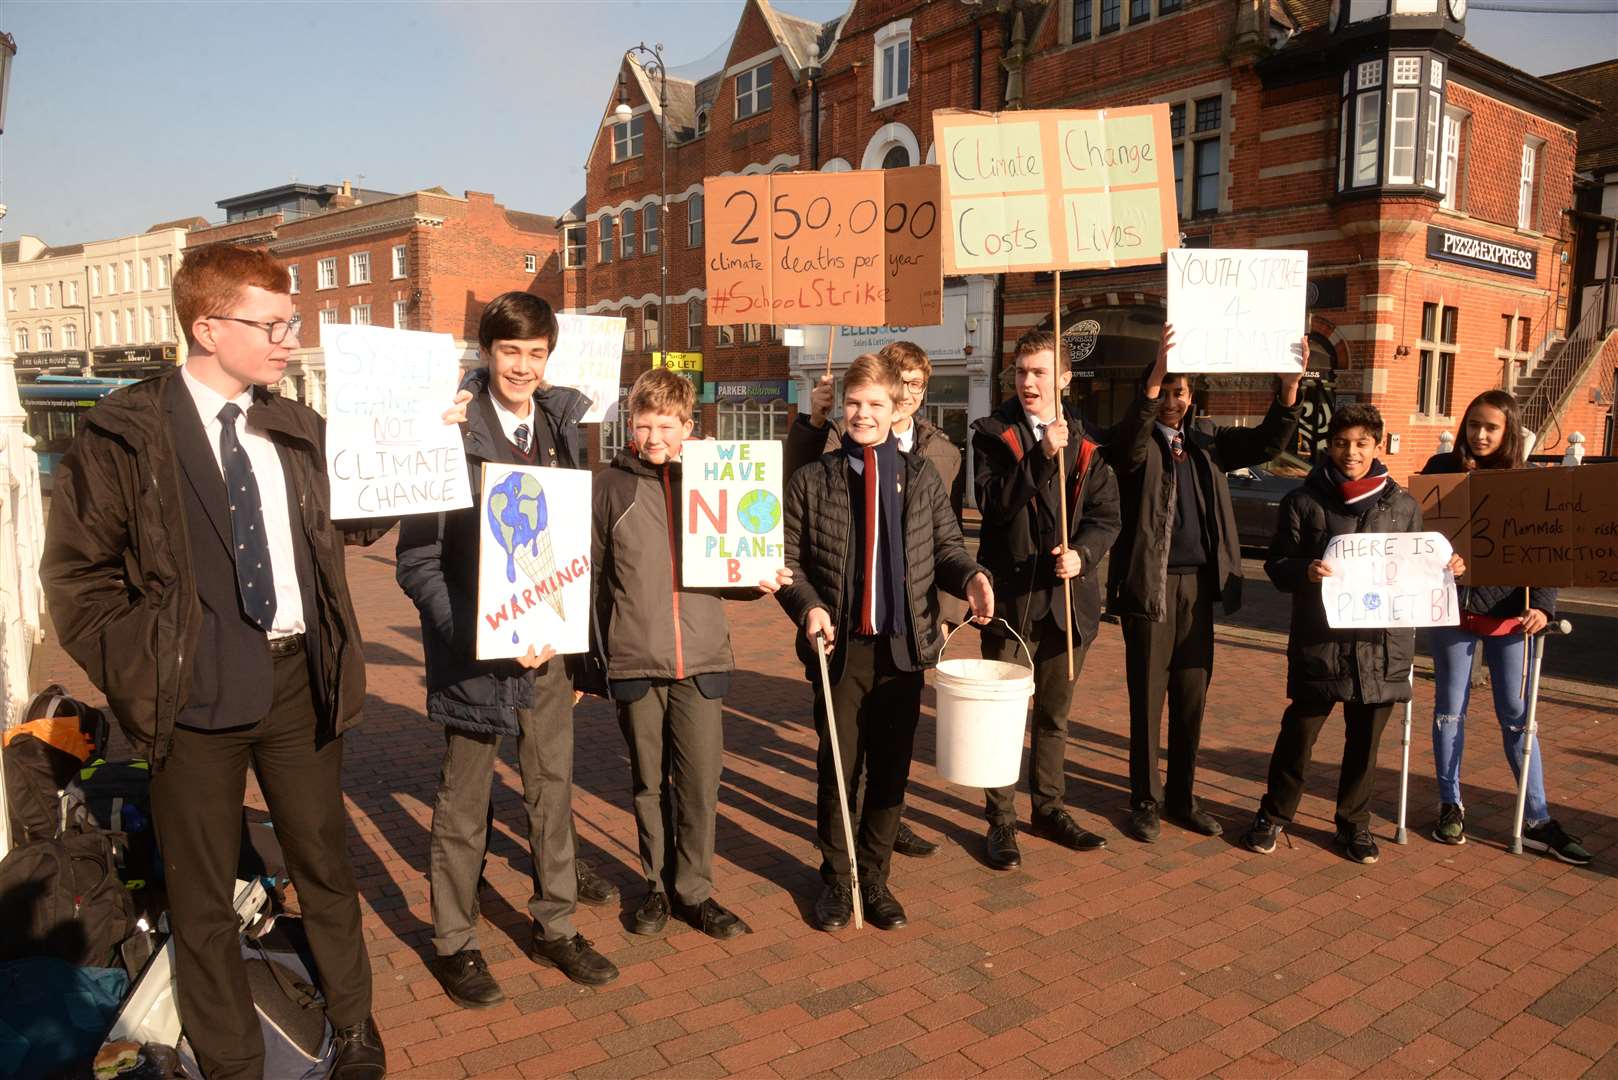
x=1055, y=190
x=838, y=249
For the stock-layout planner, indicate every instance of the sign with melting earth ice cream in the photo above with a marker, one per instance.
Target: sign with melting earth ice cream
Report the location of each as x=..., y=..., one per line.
x=533, y=561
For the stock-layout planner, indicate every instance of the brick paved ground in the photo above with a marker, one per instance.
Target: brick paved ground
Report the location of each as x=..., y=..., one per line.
x=1186, y=958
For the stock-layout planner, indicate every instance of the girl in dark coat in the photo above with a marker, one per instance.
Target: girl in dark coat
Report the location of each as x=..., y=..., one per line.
x=1501, y=619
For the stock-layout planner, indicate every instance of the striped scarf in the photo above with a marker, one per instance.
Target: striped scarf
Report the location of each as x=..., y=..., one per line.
x=882, y=568
x=1361, y=491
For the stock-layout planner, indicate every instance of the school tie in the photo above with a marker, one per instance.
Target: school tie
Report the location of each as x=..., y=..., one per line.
x=255, y=578
x=1177, y=446
x=521, y=437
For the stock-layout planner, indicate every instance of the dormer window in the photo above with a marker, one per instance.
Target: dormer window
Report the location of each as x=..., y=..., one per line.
x=702, y=122
x=1391, y=123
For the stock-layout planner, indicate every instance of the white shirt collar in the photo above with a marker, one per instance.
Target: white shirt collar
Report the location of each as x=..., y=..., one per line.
x=208, y=400
x=510, y=421
x=1036, y=423
x=907, y=437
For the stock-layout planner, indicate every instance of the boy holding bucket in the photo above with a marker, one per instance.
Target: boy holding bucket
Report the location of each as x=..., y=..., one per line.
x=1031, y=555
x=870, y=537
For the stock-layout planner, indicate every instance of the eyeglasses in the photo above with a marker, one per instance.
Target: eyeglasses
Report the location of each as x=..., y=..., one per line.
x=914, y=386
x=276, y=330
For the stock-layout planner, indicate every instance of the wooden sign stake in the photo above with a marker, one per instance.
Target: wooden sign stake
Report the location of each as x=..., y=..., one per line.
x=1057, y=359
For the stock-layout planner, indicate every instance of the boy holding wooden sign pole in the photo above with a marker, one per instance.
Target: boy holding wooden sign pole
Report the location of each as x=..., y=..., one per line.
x=870, y=538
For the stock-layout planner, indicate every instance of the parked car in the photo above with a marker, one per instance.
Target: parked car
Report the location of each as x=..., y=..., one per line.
x=1255, y=495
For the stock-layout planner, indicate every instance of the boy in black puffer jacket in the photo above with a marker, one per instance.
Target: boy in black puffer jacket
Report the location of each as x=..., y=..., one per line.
x=1367, y=670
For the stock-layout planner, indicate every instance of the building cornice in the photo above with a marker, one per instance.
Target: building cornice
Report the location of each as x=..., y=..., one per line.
x=298, y=243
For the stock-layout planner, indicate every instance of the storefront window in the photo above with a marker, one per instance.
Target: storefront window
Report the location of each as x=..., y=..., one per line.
x=753, y=419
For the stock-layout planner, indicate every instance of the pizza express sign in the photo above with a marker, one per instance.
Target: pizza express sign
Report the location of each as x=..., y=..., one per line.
x=1484, y=254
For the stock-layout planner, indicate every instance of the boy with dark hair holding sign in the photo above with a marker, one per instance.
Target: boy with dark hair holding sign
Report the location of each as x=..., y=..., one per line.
x=1367, y=670
x=870, y=538
x=668, y=657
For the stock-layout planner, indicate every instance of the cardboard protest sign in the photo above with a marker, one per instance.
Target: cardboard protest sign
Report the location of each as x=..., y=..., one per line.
x=1532, y=527
x=388, y=450
x=1237, y=309
x=733, y=532
x=1389, y=580
x=589, y=351
x=840, y=249
x=1055, y=190
x=533, y=561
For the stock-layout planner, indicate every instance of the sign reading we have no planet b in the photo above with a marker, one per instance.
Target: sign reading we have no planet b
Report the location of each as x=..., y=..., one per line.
x=839, y=249
x=733, y=519
x=1055, y=190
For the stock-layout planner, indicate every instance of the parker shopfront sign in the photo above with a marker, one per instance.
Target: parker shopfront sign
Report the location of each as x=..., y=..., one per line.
x=1468, y=250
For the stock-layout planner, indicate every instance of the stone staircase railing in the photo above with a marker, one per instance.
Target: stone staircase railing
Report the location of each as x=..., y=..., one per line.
x=1559, y=365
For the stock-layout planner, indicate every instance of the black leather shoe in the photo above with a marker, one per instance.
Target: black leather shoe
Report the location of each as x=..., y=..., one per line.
x=359, y=1053
x=1002, y=853
x=1061, y=828
x=715, y=920
x=594, y=889
x=466, y=979
x=908, y=843
x=834, y=907
x=653, y=914
x=1143, y=823
x=576, y=959
x=881, y=908
x=1195, y=818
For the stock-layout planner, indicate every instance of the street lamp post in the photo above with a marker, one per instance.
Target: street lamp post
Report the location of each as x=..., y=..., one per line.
x=654, y=65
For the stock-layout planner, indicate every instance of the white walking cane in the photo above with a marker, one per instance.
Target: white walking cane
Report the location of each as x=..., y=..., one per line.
x=842, y=785
x=1536, y=657
x=1399, y=834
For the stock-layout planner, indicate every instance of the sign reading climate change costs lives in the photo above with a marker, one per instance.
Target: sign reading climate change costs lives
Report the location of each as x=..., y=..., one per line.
x=589, y=350
x=1389, y=580
x=1055, y=190
x=837, y=249
x=533, y=561
x=1237, y=310
x=733, y=536
x=388, y=450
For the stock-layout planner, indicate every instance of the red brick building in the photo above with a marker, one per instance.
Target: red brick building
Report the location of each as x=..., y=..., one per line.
x=425, y=260
x=1429, y=182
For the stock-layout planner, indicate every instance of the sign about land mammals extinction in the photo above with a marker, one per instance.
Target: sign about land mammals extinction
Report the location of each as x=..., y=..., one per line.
x=589, y=351
x=388, y=450
x=1389, y=580
x=533, y=561
x=732, y=514
x=1055, y=190
x=838, y=249
x=1237, y=309
x=1551, y=527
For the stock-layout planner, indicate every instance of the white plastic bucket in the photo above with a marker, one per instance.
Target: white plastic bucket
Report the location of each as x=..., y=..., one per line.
x=982, y=711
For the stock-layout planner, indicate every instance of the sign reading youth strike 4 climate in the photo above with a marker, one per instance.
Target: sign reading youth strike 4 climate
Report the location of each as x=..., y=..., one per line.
x=733, y=532
x=1055, y=190
x=839, y=249
x=533, y=561
x=1237, y=310
x=388, y=450
x=1389, y=580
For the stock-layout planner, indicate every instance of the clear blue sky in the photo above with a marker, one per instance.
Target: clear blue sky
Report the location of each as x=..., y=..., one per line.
x=126, y=114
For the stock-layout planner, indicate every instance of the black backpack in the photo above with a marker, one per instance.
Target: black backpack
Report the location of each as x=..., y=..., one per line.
x=63, y=898
x=42, y=755
x=116, y=797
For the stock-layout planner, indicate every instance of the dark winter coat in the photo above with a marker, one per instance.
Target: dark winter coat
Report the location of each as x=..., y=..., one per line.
x=1498, y=601
x=819, y=530
x=650, y=628
x=117, y=567
x=1137, y=576
x=438, y=569
x=1016, y=486
x=1370, y=666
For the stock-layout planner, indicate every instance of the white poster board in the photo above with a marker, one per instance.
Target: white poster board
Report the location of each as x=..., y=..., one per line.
x=589, y=352
x=1237, y=309
x=732, y=516
x=1389, y=580
x=388, y=450
x=533, y=561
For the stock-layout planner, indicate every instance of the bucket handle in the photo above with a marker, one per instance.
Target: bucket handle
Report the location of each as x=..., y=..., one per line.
x=1002, y=622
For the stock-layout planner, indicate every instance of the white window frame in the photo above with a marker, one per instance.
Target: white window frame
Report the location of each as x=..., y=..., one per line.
x=359, y=268
x=72, y=293
x=1449, y=171
x=1402, y=131
x=47, y=338
x=892, y=55
x=574, y=252
x=359, y=315
x=1528, y=184
x=326, y=316
x=1185, y=146
x=607, y=228
x=33, y=297
x=20, y=337
x=1440, y=356
x=129, y=276
x=1367, y=136
x=651, y=228
x=165, y=323
x=401, y=314
x=693, y=220
x=70, y=336
x=651, y=329
x=50, y=296
x=292, y=275
x=1430, y=143
x=147, y=325
x=530, y=264
x=326, y=273
x=400, y=261
x=163, y=271
x=628, y=234
x=629, y=138
x=129, y=325
x=112, y=278
x=749, y=93
x=145, y=274
x=751, y=418
x=693, y=327
x=11, y=299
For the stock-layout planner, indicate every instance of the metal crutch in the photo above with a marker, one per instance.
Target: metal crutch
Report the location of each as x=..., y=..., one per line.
x=842, y=784
x=1535, y=659
x=1399, y=834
